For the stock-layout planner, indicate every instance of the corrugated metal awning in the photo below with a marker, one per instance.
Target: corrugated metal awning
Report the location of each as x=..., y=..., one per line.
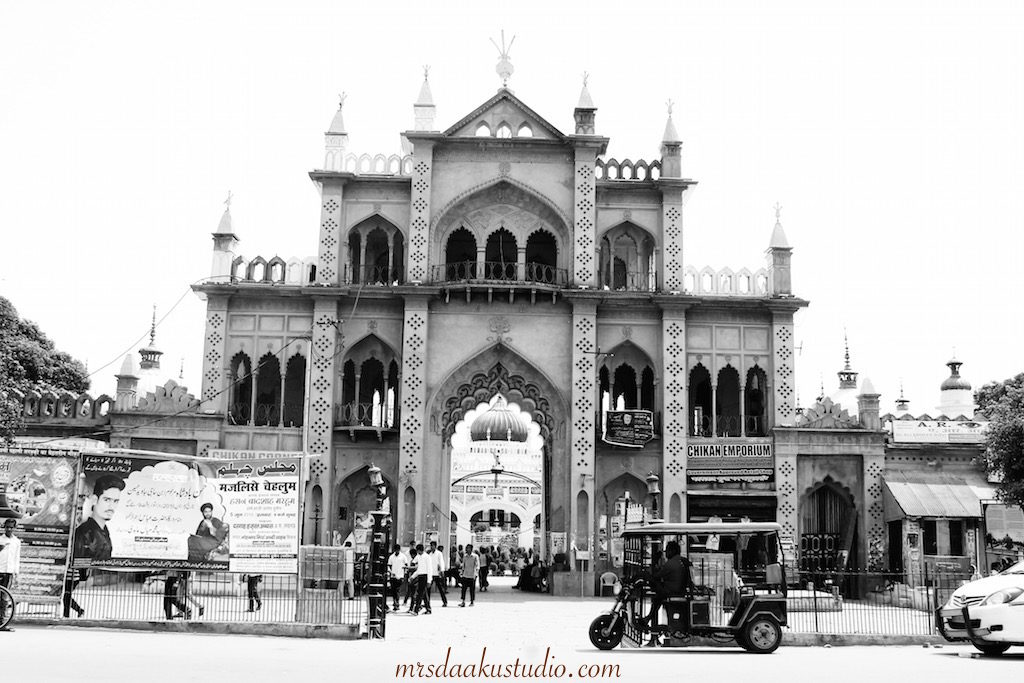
x=938, y=494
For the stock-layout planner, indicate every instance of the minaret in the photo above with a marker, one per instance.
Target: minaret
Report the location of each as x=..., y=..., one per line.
x=847, y=376
x=779, y=255
x=902, y=404
x=225, y=245
x=867, y=406
x=424, y=109
x=671, y=149
x=150, y=354
x=956, y=397
x=336, y=139
x=126, y=397
x=585, y=111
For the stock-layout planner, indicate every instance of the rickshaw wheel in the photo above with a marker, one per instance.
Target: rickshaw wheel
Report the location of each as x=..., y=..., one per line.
x=991, y=649
x=760, y=635
x=597, y=637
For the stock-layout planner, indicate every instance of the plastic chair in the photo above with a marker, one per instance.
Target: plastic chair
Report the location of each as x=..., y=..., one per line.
x=608, y=580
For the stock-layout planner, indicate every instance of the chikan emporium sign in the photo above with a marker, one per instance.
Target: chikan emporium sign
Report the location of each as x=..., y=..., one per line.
x=723, y=462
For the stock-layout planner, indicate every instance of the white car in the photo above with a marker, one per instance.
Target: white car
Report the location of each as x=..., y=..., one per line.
x=988, y=613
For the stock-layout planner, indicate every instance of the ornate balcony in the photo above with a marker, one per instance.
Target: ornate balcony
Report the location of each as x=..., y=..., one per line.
x=372, y=417
x=501, y=272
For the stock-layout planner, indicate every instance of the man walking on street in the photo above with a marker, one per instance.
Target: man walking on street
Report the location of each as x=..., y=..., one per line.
x=439, y=569
x=10, y=556
x=470, y=567
x=422, y=576
x=485, y=566
x=397, y=564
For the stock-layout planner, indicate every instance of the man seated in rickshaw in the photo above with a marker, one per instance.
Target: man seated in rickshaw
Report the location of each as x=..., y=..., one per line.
x=670, y=579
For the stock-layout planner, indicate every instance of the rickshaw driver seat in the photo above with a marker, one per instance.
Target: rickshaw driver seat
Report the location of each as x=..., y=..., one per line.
x=671, y=579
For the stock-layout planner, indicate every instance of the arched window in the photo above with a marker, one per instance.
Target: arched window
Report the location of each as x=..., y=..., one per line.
x=460, y=256
x=501, y=255
x=647, y=389
x=755, y=399
x=483, y=130
x=504, y=130
x=728, y=402
x=369, y=384
x=525, y=131
x=700, y=401
x=294, y=391
x=239, y=408
x=541, y=257
x=625, y=388
x=268, y=392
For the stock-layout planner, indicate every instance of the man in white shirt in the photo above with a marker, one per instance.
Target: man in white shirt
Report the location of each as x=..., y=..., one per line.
x=423, y=575
x=470, y=567
x=348, y=570
x=397, y=564
x=10, y=553
x=437, y=553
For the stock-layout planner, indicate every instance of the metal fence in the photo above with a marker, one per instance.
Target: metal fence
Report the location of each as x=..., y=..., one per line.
x=868, y=602
x=324, y=598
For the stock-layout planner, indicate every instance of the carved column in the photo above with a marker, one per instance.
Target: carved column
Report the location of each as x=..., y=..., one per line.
x=585, y=218
x=216, y=391
x=412, y=485
x=674, y=401
x=419, y=215
x=320, y=421
x=582, y=410
x=672, y=237
x=328, y=268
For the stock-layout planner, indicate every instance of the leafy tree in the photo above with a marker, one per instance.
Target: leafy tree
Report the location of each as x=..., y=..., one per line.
x=29, y=360
x=1002, y=403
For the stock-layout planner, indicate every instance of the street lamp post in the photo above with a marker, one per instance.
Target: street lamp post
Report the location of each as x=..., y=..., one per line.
x=654, y=490
x=378, y=556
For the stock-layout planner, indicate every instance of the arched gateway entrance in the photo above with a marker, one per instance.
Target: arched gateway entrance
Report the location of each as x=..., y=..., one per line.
x=535, y=497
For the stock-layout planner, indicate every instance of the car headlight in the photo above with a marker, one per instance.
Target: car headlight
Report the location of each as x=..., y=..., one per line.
x=1002, y=596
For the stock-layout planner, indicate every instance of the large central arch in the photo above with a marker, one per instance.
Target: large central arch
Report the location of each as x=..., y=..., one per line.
x=499, y=369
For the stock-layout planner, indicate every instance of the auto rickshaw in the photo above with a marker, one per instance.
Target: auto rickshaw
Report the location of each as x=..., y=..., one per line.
x=736, y=592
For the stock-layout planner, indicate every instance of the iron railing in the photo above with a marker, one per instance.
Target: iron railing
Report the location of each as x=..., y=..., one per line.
x=211, y=596
x=380, y=276
x=366, y=415
x=729, y=425
x=266, y=415
x=631, y=281
x=501, y=271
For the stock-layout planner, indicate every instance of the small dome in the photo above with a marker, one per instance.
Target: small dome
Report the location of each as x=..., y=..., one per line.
x=955, y=381
x=498, y=424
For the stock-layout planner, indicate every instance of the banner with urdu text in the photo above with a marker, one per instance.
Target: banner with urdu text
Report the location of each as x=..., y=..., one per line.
x=187, y=513
x=37, y=490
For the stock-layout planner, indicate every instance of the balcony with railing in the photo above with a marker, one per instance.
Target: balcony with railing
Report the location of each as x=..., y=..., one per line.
x=728, y=425
x=501, y=272
x=265, y=414
x=374, y=275
x=378, y=418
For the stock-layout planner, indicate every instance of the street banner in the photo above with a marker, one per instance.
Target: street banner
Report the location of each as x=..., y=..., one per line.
x=186, y=513
x=632, y=428
x=38, y=490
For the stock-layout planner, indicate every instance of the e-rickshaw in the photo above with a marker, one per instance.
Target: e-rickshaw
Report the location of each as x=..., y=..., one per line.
x=736, y=591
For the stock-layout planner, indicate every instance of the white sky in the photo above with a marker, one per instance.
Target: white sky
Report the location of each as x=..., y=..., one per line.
x=890, y=132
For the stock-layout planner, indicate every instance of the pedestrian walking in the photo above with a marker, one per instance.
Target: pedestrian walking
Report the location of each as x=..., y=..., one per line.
x=172, y=600
x=485, y=566
x=422, y=576
x=470, y=567
x=185, y=594
x=252, y=587
x=397, y=564
x=439, y=572
x=348, y=570
x=10, y=554
x=410, y=585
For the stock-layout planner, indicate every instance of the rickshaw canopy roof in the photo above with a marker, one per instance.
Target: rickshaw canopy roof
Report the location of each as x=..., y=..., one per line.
x=673, y=528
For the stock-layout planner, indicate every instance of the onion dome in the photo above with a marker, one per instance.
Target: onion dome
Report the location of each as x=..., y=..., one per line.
x=498, y=424
x=954, y=381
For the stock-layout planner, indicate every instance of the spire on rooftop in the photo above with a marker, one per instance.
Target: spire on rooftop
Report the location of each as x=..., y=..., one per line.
x=504, y=68
x=224, y=227
x=585, y=101
x=338, y=122
x=778, y=240
x=670, y=128
x=847, y=376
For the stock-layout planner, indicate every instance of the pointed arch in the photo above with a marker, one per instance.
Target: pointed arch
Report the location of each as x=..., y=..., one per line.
x=268, y=391
x=240, y=405
x=727, y=402
x=700, y=401
x=755, y=399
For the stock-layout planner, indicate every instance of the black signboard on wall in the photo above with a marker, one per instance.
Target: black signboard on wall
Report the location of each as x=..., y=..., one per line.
x=631, y=428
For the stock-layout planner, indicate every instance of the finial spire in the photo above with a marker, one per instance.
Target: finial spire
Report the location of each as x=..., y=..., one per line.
x=504, y=68
x=585, y=101
x=670, y=127
x=846, y=354
x=227, y=202
x=847, y=376
x=342, y=96
x=778, y=240
x=152, y=326
x=778, y=213
x=181, y=372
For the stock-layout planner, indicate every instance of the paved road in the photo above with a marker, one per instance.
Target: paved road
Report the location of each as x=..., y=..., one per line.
x=507, y=624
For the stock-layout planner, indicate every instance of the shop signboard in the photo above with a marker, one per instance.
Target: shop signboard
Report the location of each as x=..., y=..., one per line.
x=632, y=428
x=38, y=489
x=180, y=512
x=938, y=431
x=727, y=460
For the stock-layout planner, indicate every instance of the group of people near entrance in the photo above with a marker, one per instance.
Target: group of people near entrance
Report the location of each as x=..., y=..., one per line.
x=424, y=569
